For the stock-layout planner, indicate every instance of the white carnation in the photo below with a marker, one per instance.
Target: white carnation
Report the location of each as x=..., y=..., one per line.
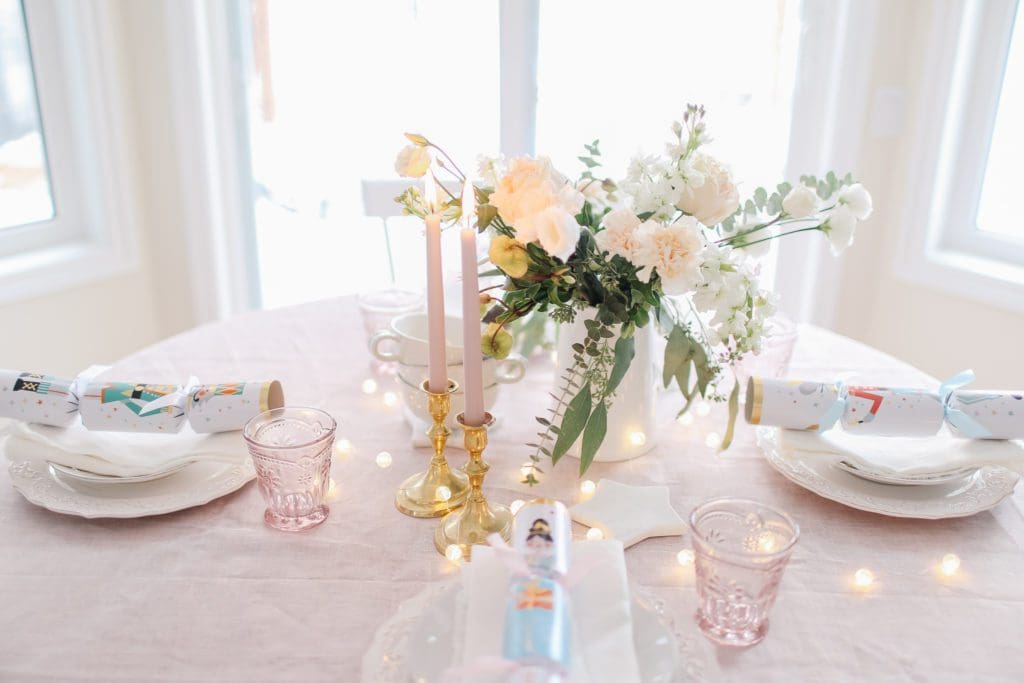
x=858, y=199
x=619, y=237
x=672, y=251
x=840, y=227
x=715, y=198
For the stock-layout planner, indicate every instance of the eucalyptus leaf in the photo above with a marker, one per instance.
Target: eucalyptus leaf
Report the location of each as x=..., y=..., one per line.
x=625, y=349
x=676, y=350
x=575, y=419
x=734, y=409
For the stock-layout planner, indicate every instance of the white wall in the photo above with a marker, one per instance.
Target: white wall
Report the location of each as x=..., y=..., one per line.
x=939, y=333
x=63, y=332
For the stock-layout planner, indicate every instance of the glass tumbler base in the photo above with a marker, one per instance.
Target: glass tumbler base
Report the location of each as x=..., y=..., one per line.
x=730, y=637
x=283, y=523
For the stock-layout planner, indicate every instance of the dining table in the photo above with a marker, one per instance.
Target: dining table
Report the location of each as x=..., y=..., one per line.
x=211, y=593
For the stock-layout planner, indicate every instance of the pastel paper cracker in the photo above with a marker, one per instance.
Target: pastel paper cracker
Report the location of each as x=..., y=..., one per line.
x=42, y=399
x=125, y=407
x=227, y=407
x=986, y=414
x=885, y=411
x=792, y=404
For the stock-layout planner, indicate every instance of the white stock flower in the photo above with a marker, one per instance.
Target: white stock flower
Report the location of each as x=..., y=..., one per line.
x=858, y=199
x=716, y=198
x=731, y=296
x=619, y=236
x=413, y=161
x=801, y=202
x=673, y=251
x=557, y=231
x=490, y=167
x=839, y=227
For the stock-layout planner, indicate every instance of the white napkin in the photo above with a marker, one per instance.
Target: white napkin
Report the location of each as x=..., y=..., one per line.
x=602, y=646
x=119, y=453
x=906, y=456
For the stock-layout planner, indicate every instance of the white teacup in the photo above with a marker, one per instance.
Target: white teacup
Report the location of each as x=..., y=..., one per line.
x=405, y=343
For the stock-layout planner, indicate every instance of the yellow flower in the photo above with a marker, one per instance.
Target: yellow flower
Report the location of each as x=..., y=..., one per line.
x=413, y=161
x=509, y=255
x=496, y=342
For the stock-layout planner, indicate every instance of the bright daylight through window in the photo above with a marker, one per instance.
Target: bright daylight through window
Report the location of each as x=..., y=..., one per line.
x=24, y=180
x=996, y=212
x=329, y=102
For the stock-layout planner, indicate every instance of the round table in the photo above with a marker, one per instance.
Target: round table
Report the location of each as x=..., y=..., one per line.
x=212, y=594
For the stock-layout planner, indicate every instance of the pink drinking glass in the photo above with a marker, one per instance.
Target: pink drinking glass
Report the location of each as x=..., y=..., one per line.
x=741, y=548
x=291, y=449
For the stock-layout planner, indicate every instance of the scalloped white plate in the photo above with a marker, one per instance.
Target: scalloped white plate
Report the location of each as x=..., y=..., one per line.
x=197, y=484
x=974, y=492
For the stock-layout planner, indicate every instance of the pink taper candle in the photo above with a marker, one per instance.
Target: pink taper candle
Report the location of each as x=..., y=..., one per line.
x=472, y=362
x=437, y=366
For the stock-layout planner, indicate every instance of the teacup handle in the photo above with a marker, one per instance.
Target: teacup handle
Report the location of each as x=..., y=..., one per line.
x=510, y=370
x=379, y=353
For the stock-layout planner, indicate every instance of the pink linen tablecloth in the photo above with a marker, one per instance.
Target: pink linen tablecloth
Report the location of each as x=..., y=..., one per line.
x=211, y=594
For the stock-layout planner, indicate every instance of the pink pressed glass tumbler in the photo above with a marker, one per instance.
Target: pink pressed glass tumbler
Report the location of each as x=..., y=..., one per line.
x=291, y=449
x=741, y=548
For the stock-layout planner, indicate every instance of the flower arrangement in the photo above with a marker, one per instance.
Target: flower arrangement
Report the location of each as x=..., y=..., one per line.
x=671, y=244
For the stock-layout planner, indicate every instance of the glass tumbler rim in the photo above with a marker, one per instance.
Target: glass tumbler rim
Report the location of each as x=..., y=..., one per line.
x=777, y=554
x=268, y=415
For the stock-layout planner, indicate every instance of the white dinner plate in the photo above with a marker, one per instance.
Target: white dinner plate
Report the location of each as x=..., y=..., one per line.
x=196, y=484
x=420, y=642
x=910, y=480
x=66, y=472
x=968, y=494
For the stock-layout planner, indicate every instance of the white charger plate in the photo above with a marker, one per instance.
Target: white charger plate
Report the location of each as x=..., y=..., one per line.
x=197, y=484
x=419, y=643
x=969, y=494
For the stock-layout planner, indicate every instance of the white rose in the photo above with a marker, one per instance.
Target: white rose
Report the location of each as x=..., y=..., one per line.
x=525, y=190
x=858, y=199
x=716, y=198
x=673, y=251
x=619, y=236
x=801, y=202
x=413, y=161
x=557, y=231
x=841, y=225
x=570, y=199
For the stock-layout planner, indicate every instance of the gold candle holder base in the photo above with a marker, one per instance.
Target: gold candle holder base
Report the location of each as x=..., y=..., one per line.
x=477, y=519
x=440, y=489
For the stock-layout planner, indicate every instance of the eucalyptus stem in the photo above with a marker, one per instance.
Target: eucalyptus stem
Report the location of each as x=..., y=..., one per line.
x=791, y=232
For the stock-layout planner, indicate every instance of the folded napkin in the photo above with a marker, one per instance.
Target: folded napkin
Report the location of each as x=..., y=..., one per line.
x=906, y=456
x=119, y=453
x=602, y=646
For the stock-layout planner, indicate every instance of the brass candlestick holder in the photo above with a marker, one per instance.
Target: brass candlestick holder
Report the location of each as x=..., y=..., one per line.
x=477, y=519
x=440, y=489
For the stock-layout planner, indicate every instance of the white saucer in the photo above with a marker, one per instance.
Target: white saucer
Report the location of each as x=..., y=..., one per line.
x=910, y=480
x=420, y=641
x=196, y=484
x=67, y=472
x=968, y=494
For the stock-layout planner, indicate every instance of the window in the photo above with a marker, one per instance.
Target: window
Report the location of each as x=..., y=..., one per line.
x=63, y=210
x=331, y=87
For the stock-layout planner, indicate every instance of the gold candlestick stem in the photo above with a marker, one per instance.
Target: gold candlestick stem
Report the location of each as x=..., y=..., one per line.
x=440, y=489
x=477, y=519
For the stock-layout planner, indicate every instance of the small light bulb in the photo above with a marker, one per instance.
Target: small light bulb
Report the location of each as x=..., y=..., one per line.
x=343, y=448
x=766, y=543
x=713, y=440
x=526, y=469
x=332, y=490
x=863, y=577
x=383, y=460
x=443, y=493
x=516, y=505
x=950, y=564
x=594, y=534
x=637, y=438
x=453, y=553
x=390, y=399
x=587, y=487
x=369, y=386
x=686, y=419
x=703, y=408
x=685, y=557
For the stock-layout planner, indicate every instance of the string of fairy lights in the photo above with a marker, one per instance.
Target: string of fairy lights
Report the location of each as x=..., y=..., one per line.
x=862, y=579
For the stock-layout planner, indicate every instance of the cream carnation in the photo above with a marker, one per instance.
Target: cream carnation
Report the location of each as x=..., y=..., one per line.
x=619, y=236
x=673, y=252
x=714, y=199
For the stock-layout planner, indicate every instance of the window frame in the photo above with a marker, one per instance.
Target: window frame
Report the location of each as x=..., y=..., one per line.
x=943, y=247
x=80, y=107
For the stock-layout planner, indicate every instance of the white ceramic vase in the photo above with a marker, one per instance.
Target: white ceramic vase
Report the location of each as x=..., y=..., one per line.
x=632, y=427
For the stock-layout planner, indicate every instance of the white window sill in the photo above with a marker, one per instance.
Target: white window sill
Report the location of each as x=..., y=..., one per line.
x=968, y=276
x=54, y=269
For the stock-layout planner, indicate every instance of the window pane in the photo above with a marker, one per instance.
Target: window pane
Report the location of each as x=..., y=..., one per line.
x=1002, y=174
x=24, y=182
x=628, y=71
x=334, y=85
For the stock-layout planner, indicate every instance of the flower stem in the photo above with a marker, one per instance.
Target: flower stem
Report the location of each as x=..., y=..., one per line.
x=791, y=232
